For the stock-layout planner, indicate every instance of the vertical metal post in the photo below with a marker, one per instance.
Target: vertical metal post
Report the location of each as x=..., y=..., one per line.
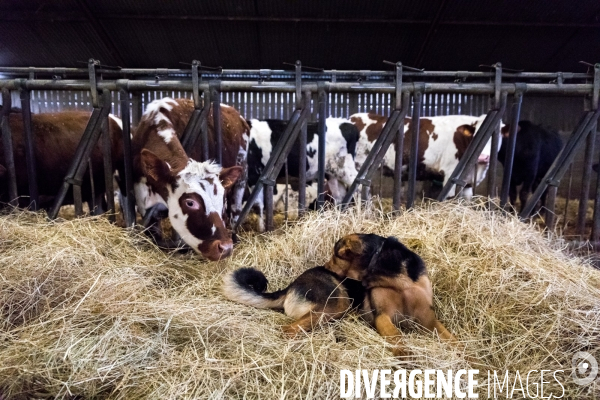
x=550, y=206
x=492, y=192
x=595, y=100
x=9, y=156
x=588, y=161
x=414, y=145
x=129, y=206
x=396, y=203
x=136, y=108
x=108, y=162
x=510, y=151
x=204, y=127
x=268, y=193
x=322, y=128
x=215, y=96
x=29, y=140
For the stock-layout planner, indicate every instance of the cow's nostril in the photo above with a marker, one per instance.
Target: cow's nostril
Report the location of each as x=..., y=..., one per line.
x=225, y=248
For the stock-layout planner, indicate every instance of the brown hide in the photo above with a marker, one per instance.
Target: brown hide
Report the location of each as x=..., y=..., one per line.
x=233, y=127
x=56, y=138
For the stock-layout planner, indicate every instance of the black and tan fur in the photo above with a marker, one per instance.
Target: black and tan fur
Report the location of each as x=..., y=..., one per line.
x=396, y=281
x=316, y=296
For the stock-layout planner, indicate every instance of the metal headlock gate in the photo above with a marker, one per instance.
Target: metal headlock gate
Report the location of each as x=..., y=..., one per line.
x=405, y=87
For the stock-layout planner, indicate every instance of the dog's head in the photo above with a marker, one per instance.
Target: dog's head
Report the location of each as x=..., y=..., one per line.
x=356, y=255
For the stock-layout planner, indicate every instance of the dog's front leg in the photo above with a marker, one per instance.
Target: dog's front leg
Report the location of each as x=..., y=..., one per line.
x=386, y=303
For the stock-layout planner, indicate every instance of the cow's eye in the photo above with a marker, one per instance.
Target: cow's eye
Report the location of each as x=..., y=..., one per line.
x=193, y=204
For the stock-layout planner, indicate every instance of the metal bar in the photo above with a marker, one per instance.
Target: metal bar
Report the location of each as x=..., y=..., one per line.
x=586, y=180
x=215, y=97
x=562, y=161
x=204, y=127
x=493, y=166
x=7, y=143
x=270, y=73
x=575, y=89
x=474, y=147
x=379, y=149
x=29, y=140
x=322, y=131
x=108, y=162
x=510, y=151
x=302, y=167
x=589, y=155
x=414, y=148
x=129, y=206
x=77, y=168
x=471, y=165
x=550, y=207
x=397, y=197
x=268, y=193
x=278, y=157
x=136, y=107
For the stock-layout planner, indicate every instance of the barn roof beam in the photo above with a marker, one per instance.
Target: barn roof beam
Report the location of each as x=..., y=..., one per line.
x=77, y=17
x=432, y=28
x=100, y=31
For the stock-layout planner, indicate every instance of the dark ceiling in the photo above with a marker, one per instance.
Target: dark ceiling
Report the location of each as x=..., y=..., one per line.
x=345, y=34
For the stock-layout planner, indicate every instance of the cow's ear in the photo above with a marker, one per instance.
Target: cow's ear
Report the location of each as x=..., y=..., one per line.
x=229, y=176
x=154, y=168
x=466, y=130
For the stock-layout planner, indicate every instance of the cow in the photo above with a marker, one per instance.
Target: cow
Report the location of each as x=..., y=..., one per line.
x=341, y=140
x=535, y=151
x=442, y=142
x=56, y=137
x=194, y=193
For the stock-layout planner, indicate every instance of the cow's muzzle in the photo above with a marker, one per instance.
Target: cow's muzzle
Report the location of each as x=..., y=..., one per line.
x=483, y=159
x=219, y=249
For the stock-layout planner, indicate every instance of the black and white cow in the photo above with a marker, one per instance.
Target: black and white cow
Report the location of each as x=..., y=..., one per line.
x=341, y=139
x=535, y=151
x=442, y=142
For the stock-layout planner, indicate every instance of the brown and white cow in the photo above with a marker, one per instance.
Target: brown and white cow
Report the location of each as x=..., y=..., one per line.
x=193, y=192
x=56, y=137
x=442, y=142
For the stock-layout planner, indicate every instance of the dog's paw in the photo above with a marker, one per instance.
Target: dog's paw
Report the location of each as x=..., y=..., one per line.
x=400, y=352
x=290, y=331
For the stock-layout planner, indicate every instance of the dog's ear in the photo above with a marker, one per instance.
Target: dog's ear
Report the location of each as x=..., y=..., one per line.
x=352, y=245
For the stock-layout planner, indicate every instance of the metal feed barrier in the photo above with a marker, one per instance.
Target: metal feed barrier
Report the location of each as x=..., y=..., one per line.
x=406, y=87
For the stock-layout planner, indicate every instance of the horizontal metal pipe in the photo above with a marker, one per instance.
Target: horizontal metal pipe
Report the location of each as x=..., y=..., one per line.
x=251, y=86
x=224, y=73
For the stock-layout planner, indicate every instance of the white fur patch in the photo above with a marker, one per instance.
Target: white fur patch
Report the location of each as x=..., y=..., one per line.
x=117, y=120
x=167, y=134
x=261, y=134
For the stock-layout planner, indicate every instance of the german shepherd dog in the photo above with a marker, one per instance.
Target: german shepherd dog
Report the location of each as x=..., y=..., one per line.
x=397, y=286
x=379, y=276
x=316, y=296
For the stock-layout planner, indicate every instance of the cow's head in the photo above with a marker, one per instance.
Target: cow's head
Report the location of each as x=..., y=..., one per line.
x=195, y=197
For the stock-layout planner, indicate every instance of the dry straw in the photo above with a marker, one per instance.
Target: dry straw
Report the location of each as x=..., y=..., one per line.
x=89, y=309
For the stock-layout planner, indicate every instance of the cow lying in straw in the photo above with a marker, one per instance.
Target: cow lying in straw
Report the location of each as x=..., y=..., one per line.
x=379, y=276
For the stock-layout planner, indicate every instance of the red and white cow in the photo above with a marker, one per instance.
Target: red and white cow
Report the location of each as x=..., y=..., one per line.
x=56, y=137
x=193, y=192
x=442, y=142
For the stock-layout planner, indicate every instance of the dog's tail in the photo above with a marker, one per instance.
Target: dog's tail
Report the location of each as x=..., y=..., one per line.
x=248, y=285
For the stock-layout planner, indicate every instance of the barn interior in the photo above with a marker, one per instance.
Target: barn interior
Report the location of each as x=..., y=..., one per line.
x=92, y=310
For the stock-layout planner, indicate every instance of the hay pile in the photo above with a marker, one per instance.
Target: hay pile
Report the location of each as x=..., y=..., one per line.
x=89, y=309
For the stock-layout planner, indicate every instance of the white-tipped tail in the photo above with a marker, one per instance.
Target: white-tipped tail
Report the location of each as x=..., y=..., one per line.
x=243, y=293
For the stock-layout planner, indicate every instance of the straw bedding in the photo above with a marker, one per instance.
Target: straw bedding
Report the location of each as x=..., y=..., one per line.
x=92, y=310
